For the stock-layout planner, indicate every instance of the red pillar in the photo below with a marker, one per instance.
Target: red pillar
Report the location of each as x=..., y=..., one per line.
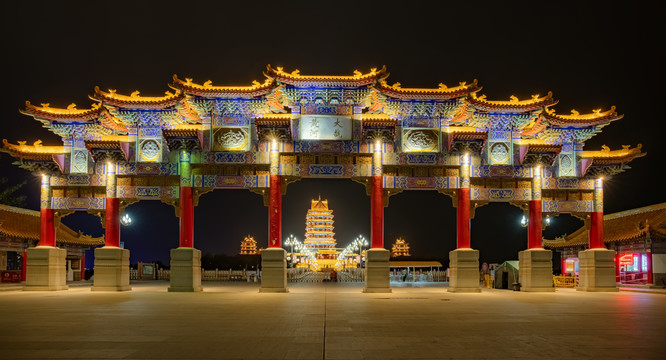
x=275, y=213
x=112, y=231
x=617, y=267
x=564, y=266
x=597, y=230
x=649, y=267
x=377, y=213
x=83, y=266
x=186, y=217
x=463, y=221
x=534, y=240
x=24, y=264
x=47, y=228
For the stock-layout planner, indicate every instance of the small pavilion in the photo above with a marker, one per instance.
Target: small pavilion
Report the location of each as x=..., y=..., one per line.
x=19, y=230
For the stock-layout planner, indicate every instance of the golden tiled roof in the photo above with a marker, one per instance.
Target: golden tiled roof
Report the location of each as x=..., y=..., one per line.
x=25, y=224
x=207, y=89
x=440, y=93
x=608, y=156
x=624, y=226
x=514, y=105
x=596, y=117
x=136, y=101
x=71, y=113
x=295, y=77
x=37, y=151
x=319, y=204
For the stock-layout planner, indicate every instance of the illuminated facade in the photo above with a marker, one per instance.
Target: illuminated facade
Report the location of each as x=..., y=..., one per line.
x=638, y=237
x=319, y=226
x=198, y=137
x=400, y=248
x=248, y=246
x=319, y=235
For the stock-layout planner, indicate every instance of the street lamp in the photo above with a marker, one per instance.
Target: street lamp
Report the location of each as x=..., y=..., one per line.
x=524, y=221
x=126, y=220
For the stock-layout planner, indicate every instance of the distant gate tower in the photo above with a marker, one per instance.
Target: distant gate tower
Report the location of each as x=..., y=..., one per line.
x=319, y=226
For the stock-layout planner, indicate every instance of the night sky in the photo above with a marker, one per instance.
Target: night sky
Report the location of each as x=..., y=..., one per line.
x=590, y=56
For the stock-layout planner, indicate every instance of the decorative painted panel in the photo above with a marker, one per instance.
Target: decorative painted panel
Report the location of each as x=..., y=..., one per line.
x=416, y=183
x=325, y=127
x=420, y=159
x=79, y=161
x=500, y=195
x=326, y=170
x=230, y=158
x=78, y=203
x=231, y=139
x=420, y=140
x=327, y=146
x=149, y=150
x=566, y=206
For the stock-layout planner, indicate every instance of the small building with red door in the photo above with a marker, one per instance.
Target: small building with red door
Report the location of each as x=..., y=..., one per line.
x=638, y=237
x=19, y=230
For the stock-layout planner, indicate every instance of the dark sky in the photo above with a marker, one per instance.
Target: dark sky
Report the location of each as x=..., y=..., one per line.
x=590, y=55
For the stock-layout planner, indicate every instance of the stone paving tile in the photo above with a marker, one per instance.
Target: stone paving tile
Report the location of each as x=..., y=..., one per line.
x=234, y=321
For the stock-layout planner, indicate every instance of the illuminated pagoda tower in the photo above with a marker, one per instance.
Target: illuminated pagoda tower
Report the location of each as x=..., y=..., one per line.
x=319, y=235
x=400, y=248
x=249, y=246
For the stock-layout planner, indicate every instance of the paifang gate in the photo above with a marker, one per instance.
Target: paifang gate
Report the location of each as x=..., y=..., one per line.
x=200, y=137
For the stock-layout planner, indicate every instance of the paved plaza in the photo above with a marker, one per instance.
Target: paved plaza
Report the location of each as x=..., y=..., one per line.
x=329, y=321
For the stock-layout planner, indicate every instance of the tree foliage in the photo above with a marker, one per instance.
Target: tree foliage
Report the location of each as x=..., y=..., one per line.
x=10, y=194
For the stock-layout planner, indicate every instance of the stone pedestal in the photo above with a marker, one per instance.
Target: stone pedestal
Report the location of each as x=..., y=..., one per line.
x=535, y=270
x=46, y=269
x=464, y=271
x=273, y=270
x=185, y=270
x=377, y=271
x=111, y=269
x=596, y=270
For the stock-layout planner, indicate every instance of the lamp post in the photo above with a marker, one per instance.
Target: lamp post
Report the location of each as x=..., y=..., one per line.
x=291, y=242
x=125, y=220
x=360, y=242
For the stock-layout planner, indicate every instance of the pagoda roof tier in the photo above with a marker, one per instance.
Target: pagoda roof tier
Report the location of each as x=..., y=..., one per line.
x=69, y=114
x=136, y=101
x=37, y=151
x=608, y=156
x=295, y=78
x=620, y=227
x=208, y=90
x=442, y=92
x=25, y=224
x=596, y=117
x=511, y=106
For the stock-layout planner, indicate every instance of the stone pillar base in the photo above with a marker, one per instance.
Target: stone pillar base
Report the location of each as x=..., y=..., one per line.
x=185, y=270
x=464, y=271
x=596, y=270
x=111, y=269
x=46, y=269
x=535, y=270
x=377, y=271
x=274, y=270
